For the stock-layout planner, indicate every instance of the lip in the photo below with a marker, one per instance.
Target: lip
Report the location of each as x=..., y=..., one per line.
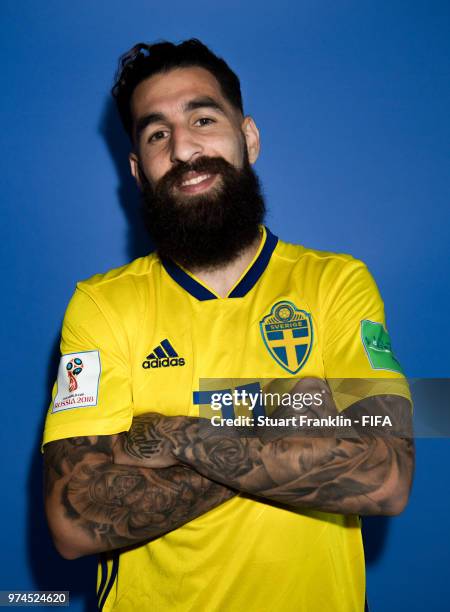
x=196, y=187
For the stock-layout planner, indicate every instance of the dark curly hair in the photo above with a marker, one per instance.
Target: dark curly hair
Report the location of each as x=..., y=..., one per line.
x=143, y=61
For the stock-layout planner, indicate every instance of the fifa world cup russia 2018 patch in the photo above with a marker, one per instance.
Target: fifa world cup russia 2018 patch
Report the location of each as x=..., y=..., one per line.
x=377, y=344
x=78, y=380
x=287, y=332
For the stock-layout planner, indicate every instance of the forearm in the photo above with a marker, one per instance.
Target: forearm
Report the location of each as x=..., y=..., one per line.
x=95, y=506
x=366, y=474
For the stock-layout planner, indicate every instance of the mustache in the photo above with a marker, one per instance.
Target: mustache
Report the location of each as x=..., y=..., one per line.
x=221, y=223
x=210, y=165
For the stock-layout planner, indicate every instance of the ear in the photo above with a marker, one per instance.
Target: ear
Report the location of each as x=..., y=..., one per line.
x=251, y=135
x=134, y=167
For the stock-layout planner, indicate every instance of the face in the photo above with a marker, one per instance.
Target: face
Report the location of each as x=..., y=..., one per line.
x=180, y=116
x=192, y=159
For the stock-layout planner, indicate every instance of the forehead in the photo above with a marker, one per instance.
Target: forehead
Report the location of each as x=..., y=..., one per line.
x=168, y=91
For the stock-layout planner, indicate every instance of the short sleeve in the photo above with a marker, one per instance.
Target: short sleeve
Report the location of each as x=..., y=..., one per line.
x=359, y=361
x=92, y=394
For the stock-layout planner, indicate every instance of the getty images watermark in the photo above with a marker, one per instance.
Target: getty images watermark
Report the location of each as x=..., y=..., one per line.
x=297, y=401
x=333, y=407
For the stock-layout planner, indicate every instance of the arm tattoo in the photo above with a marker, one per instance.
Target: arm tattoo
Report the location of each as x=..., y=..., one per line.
x=123, y=505
x=369, y=472
x=146, y=437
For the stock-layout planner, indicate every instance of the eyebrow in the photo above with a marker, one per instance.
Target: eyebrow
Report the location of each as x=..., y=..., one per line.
x=204, y=102
x=200, y=102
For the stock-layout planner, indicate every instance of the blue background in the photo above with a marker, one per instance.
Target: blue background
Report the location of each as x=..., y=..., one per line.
x=352, y=99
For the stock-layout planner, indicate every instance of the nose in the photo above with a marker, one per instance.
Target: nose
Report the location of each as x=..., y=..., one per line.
x=185, y=145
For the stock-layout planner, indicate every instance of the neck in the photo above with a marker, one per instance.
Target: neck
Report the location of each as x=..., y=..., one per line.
x=222, y=278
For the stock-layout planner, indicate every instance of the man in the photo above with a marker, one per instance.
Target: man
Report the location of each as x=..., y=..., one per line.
x=189, y=515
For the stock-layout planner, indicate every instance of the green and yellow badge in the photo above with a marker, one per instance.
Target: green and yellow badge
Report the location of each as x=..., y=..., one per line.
x=377, y=343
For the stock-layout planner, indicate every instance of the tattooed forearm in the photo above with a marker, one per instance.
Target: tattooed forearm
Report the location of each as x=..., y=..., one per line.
x=365, y=474
x=118, y=506
x=369, y=473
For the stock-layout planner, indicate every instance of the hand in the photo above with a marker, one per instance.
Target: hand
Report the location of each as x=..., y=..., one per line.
x=309, y=396
x=149, y=442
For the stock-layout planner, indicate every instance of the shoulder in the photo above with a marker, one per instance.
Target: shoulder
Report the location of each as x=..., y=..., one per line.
x=328, y=280
x=136, y=271
x=120, y=294
x=123, y=284
x=314, y=262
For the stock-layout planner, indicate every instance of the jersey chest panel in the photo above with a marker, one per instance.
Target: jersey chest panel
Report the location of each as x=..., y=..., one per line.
x=270, y=333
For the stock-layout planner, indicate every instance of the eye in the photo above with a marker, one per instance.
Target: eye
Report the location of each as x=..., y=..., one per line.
x=204, y=121
x=159, y=135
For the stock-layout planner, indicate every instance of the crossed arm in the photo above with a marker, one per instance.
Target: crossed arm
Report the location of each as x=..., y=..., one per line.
x=93, y=505
x=108, y=492
x=367, y=473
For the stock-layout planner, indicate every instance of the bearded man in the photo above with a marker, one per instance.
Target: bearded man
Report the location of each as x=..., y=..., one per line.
x=189, y=511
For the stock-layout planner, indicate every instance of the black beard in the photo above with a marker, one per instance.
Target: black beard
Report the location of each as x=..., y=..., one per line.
x=204, y=231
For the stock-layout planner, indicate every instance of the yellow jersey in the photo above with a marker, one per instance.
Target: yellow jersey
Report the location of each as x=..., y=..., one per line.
x=141, y=338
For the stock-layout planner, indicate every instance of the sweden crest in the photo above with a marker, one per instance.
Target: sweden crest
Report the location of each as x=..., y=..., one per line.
x=288, y=335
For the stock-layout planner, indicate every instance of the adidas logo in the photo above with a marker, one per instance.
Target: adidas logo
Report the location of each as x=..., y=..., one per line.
x=163, y=356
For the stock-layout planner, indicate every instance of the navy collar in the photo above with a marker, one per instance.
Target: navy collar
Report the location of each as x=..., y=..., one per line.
x=247, y=282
